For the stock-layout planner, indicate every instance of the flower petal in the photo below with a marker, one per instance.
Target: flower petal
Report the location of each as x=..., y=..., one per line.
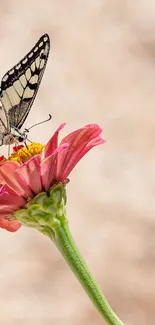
x=49, y=168
x=11, y=164
x=16, y=148
x=80, y=142
x=53, y=142
x=16, y=182
x=11, y=226
x=10, y=201
x=31, y=173
x=2, y=159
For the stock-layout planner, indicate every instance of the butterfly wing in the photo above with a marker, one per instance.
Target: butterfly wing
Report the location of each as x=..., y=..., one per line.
x=19, y=85
x=4, y=124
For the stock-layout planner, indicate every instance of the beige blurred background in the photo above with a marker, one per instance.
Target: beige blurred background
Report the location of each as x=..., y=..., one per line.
x=101, y=69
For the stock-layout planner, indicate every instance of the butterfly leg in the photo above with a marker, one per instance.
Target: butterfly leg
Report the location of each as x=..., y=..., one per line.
x=29, y=140
x=26, y=145
x=8, y=150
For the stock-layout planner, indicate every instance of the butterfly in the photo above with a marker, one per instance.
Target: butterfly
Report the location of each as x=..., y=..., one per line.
x=18, y=90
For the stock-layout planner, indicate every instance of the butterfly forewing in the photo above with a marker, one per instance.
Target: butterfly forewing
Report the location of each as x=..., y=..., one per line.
x=20, y=84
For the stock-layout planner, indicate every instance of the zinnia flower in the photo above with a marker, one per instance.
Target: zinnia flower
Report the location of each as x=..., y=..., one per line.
x=30, y=172
x=33, y=194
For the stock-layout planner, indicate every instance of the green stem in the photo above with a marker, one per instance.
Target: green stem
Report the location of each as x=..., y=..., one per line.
x=47, y=213
x=66, y=246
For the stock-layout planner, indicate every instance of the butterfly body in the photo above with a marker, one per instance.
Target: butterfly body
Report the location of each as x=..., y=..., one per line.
x=14, y=136
x=18, y=90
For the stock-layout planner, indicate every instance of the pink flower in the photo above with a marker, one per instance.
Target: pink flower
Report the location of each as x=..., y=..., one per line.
x=20, y=183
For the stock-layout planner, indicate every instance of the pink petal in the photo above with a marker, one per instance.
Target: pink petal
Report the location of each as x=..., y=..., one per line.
x=6, y=189
x=53, y=142
x=16, y=182
x=6, y=211
x=80, y=142
x=9, y=225
x=31, y=173
x=49, y=167
x=9, y=201
x=11, y=164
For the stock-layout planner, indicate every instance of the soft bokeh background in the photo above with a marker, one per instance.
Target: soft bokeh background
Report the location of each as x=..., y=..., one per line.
x=101, y=69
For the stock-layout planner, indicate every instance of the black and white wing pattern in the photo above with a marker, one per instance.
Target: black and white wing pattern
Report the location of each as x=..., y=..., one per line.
x=19, y=85
x=4, y=124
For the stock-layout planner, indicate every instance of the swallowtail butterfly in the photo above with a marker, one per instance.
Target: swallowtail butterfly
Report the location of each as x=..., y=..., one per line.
x=18, y=90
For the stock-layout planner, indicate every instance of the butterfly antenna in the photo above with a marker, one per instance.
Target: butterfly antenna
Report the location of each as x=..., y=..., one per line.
x=50, y=116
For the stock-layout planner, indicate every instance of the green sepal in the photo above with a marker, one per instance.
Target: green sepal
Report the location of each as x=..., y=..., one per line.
x=45, y=210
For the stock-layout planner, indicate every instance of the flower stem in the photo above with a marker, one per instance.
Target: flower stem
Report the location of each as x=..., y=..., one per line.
x=47, y=213
x=66, y=246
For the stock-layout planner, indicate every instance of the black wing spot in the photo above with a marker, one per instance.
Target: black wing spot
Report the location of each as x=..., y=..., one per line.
x=32, y=86
x=43, y=56
x=36, y=72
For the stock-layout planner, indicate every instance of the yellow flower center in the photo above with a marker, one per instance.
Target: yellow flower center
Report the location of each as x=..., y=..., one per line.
x=26, y=152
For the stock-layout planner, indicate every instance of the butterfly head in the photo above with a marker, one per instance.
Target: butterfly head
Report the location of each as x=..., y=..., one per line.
x=21, y=138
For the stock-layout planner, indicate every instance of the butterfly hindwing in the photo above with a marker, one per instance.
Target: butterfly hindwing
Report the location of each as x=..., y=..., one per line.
x=4, y=124
x=19, y=85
